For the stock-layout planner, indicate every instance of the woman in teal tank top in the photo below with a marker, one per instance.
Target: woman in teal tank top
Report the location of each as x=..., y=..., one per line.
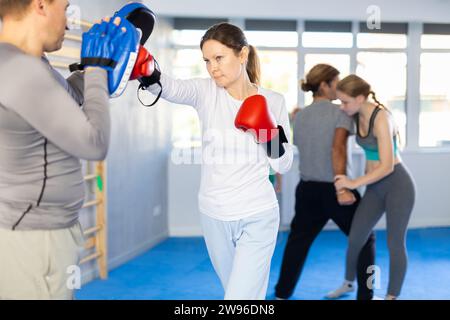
x=389, y=185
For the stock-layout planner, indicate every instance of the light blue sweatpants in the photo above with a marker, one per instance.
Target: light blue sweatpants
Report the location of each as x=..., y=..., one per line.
x=241, y=252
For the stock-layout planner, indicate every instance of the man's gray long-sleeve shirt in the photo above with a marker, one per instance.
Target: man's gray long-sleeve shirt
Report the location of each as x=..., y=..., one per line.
x=43, y=134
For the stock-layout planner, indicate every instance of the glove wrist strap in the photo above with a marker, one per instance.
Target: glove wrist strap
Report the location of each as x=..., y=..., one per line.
x=147, y=82
x=95, y=62
x=143, y=87
x=274, y=147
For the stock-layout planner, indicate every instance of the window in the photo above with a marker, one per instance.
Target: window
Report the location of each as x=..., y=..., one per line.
x=327, y=34
x=382, y=61
x=187, y=37
x=287, y=39
x=278, y=67
x=271, y=33
x=386, y=73
x=327, y=40
x=386, y=41
x=389, y=36
x=279, y=73
x=435, y=41
x=435, y=36
x=189, y=31
x=434, y=118
x=377, y=55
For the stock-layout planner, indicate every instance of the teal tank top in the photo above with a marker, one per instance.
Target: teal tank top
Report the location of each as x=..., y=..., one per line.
x=369, y=143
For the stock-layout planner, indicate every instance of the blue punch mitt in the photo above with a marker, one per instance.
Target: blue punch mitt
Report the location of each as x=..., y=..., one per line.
x=108, y=46
x=139, y=16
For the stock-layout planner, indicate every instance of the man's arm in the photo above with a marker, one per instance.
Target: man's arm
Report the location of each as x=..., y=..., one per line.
x=339, y=159
x=76, y=86
x=339, y=153
x=35, y=95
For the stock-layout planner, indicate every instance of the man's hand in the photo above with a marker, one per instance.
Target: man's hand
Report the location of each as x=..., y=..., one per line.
x=345, y=197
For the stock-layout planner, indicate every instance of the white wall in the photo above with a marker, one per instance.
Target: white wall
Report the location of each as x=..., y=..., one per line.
x=431, y=171
x=183, y=184
x=398, y=10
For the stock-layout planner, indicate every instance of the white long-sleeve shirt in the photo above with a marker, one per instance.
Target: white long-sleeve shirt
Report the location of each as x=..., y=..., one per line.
x=235, y=169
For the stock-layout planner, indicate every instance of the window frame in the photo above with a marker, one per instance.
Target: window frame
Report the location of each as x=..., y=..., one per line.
x=422, y=27
x=413, y=52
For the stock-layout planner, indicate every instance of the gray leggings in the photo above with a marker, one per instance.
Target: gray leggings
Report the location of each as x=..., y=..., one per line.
x=394, y=195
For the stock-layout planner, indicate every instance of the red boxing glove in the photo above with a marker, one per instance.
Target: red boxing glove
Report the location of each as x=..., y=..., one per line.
x=144, y=66
x=146, y=71
x=254, y=115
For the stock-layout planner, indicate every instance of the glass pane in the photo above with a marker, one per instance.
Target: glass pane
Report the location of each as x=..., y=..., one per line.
x=434, y=118
x=327, y=39
x=339, y=61
x=272, y=38
x=188, y=63
x=381, y=40
x=386, y=73
x=187, y=37
x=279, y=73
x=435, y=41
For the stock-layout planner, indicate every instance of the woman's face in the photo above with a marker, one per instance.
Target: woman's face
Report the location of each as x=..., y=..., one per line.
x=350, y=105
x=223, y=65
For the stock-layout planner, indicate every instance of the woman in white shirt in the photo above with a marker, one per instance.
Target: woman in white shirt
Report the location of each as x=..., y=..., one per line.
x=238, y=205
